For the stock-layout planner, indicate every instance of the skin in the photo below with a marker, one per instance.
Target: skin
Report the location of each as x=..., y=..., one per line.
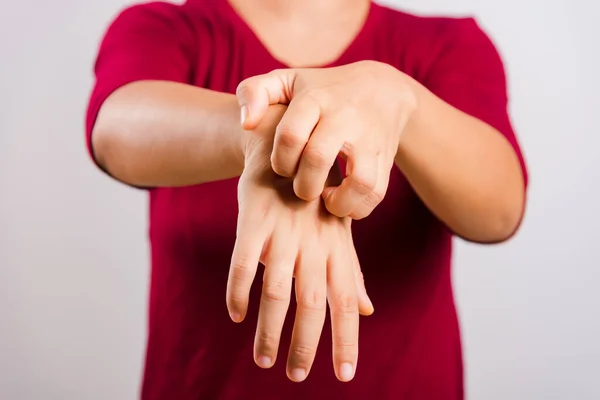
x=168, y=134
x=464, y=170
x=287, y=234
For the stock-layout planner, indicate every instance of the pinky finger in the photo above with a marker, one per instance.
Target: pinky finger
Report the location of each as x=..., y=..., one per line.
x=365, y=305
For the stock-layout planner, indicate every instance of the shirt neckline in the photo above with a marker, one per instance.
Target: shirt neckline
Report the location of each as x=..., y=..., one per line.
x=258, y=47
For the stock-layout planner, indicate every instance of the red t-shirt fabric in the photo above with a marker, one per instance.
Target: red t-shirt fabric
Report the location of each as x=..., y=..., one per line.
x=410, y=348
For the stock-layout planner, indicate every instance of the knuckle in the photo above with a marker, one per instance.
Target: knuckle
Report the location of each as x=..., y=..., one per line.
x=345, y=346
x=345, y=304
x=289, y=137
x=241, y=264
x=242, y=270
x=315, y=157
x=276, y=72
x=237, y=300
x=373, y=200
x=267, y=340
x=275, y=292
x=302, y=351
x=312, y=301
x=378, y=195
x=363, y=182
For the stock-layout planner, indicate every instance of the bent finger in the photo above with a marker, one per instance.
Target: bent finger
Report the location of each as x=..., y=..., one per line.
x=362, y=175
x=318, y=157
x=293, y=133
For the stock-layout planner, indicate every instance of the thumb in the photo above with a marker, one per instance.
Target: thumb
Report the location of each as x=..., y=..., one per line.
x=257, y=93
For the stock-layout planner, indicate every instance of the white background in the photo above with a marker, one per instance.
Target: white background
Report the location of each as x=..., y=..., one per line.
x=73, y=250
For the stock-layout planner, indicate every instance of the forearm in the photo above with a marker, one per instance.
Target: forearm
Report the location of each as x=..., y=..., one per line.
x=152, y=133
x=463, y=169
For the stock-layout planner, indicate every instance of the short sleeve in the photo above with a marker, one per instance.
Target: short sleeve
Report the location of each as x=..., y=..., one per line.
x=468, y=73
x=151, y=41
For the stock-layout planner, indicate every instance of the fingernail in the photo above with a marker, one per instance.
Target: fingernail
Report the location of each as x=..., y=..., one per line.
x=264, y=362
x=298, y=374
x=235, y=317
x=244, y=114
x=346, y=372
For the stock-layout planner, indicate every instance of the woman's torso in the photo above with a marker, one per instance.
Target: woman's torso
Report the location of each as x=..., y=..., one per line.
x=409, y=348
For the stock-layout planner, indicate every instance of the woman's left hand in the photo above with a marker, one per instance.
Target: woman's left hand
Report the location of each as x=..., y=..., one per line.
x=357, y=111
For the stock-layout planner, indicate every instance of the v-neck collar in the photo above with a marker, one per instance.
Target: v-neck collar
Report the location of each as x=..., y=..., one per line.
x=258, y=47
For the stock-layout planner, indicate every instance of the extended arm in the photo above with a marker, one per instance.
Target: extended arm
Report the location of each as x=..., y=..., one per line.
x=463, y=169
x=154, y=133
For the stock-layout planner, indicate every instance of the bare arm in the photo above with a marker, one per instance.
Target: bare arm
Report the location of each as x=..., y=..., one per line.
x=156, y=133
x=464, y=170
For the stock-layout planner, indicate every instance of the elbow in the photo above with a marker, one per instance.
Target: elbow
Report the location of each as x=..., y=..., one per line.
x=504, y=226
x=499, y=224
x=109, y=147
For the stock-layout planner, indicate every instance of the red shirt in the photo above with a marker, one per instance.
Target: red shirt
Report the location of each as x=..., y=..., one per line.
x=410, y=348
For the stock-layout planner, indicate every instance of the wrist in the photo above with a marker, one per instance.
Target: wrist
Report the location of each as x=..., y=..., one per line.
x=410, y=109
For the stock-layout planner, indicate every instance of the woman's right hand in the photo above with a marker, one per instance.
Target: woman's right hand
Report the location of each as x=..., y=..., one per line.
x=297, y=239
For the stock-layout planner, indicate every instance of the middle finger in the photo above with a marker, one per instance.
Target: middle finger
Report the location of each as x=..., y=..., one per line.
x=343, y=304
x=280, y=258
x=311, y=299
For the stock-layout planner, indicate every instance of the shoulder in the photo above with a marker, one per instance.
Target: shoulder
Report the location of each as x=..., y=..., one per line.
x=189, y=25
x=155, y=10
x=188, y=16
x=432, y=27
x=421, y=42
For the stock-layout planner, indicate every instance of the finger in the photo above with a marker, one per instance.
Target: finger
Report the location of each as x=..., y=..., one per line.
x=362, y=175
x=257, y=93
x=244, y=263
x=365, y=306
x=343, y=305
x=311, y=299
x=293, y=132
x=318, y=157
x=372, y=200
x=280, y=259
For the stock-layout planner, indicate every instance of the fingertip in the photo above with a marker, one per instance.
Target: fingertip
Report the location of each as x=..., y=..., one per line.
x=304, y=193
x=279, y=168
x=264, y=362
x=367, y=311
x=297, y=375
x=365, y=306
x=331, y=204
x=236, y=317
x=346, y=372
